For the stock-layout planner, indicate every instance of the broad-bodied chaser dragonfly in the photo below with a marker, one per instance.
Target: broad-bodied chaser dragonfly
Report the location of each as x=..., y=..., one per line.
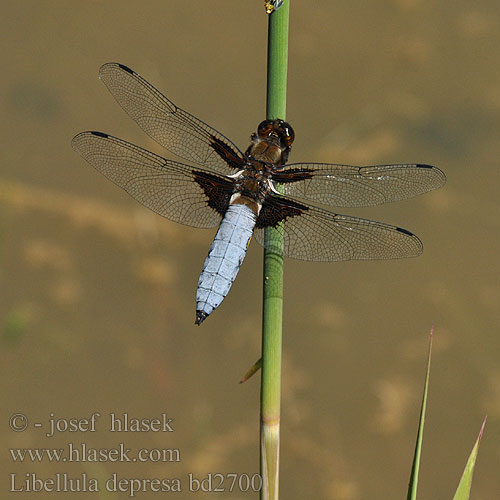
x=238, y=192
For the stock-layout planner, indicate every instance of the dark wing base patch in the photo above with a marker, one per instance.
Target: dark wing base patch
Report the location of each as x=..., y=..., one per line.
x=217, y=190
x=275, y=210
x=293, y=175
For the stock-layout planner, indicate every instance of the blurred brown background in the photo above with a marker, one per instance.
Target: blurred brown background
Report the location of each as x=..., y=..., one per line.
x=97, y=294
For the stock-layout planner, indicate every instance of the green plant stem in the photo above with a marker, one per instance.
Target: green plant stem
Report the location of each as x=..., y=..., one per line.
x=413, y=484
x=272, y=315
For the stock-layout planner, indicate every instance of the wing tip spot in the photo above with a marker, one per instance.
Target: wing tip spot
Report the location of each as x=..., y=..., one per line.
x=126, y=68
x=99, y=134
x=437, y=171
x=419, y=245
x=404, y=231
x=104, y=68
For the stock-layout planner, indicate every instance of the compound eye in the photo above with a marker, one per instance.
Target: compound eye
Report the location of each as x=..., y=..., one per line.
x=288, y=135
x=265, y=128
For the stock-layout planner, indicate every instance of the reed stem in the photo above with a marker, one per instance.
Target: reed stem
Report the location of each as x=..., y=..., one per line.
x=272, y=314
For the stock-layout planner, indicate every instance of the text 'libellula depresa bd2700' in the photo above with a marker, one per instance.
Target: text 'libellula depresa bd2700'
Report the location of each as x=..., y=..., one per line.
x=237, y=191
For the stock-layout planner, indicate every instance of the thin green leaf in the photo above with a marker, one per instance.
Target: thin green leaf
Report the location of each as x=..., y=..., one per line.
x=253, y=369
x=412, y=487
x=463, y=490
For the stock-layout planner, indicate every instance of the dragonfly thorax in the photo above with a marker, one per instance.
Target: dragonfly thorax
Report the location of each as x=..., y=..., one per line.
x=267, y=151
x=253, y=182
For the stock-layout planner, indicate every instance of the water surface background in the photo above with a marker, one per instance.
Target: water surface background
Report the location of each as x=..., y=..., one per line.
x=97, y=293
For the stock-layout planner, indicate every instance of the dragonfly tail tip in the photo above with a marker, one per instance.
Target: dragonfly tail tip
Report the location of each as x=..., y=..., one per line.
x=200, y=317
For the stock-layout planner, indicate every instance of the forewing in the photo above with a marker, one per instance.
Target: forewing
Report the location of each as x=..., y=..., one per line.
x=311, y=233
x=348, y=186
x=183, y=194
x=175, y=129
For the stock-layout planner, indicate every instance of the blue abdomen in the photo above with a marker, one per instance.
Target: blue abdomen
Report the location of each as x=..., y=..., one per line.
x=224, y=259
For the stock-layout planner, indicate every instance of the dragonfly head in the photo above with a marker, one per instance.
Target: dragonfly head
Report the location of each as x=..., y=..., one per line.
x=278, y=130
x=272, y=142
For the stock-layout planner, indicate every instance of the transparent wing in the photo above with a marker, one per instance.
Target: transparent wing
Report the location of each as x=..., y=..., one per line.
x=311, y=233
x=175, y=129
x=178, y=192
x=348, y=186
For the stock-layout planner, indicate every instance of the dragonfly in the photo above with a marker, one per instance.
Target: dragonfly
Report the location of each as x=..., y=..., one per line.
x=243, y=193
